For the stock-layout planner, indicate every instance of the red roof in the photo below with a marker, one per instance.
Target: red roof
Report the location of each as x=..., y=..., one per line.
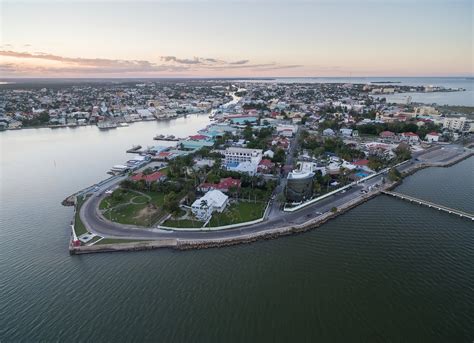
x=409, y=134
x=148, y=178
x=361, y=162
x=223, y=184
x=266, y=163
x=386, y=134
x=198, y=137
x=433, y=133
x=165, y=153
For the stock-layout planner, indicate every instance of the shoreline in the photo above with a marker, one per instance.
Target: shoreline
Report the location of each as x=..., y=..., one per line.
x=271, y=233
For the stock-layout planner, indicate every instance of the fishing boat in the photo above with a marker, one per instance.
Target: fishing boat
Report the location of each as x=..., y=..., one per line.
x=106, y=125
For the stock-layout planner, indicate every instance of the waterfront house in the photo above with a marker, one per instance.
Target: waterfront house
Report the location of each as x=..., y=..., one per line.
x=212, y=201
x=149, y=178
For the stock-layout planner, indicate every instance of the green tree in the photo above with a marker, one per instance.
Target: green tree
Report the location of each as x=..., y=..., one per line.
x=394, y=175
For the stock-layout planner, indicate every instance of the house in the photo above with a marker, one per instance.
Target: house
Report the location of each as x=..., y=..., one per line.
x=346, y=132
x=269, y=154
x=212, y=201
x=328, y=132
x=224, y=185
x=149, y=178
x=265, y=166
x=410, y=137
x=282, y=142
x=361, y=163
x=432, y=137
x=387, y=135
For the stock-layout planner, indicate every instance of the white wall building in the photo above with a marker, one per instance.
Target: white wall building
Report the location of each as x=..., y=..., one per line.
x=239, y=155
x=457, y=124
x=212, y=201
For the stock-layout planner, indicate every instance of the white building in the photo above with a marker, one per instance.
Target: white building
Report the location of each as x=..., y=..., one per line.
x=238, y=155
x=269, y=154
x=328, y=132
x=242, y=160
x=457, y=124
x=432, y=137
x=286, y=130
x=346, y=132
x=212, y=201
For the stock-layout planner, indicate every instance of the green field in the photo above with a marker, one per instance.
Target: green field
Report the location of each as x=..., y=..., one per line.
x=116, y=241
x=236, y=213
x=79, y=227
x=183, y=223
x=134, y=208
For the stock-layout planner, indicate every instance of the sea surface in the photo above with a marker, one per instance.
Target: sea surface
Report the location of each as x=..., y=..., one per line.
x=387, y=271
x=461, y=98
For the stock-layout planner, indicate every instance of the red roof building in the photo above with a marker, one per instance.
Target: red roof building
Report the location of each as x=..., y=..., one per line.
x=153, y=177
x=224, y=185
x=361, y=163
x=265, y=166
x=387, y=134
x=198, y=137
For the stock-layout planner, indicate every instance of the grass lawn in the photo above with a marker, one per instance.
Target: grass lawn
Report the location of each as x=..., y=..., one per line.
x=183, y=223
x=79, y=227
x=116, y=240
x=131, y=208
x=236, y=213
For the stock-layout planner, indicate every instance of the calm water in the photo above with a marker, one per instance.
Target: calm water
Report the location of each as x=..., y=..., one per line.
x=386, y=271
x=465, y=98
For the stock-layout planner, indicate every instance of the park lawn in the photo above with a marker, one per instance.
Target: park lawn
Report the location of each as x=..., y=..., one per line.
x=236, y=213
x=129, y=213
x=117, y=240
x=183, y=223
x=240, y=212
x=109, y=201
x=79, y=227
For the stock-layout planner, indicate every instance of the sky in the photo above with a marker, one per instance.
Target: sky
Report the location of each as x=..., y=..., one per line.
x=232, y=38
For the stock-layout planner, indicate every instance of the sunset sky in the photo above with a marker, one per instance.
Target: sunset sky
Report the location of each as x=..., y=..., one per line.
x=236, y=38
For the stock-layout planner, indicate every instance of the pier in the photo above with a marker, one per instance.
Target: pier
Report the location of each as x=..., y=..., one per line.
x=431, y=204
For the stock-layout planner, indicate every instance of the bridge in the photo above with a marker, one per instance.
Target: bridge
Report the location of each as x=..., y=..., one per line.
x=431, y=204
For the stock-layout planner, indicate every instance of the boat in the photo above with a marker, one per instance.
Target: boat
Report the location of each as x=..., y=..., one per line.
x=123, y=124
x=165, y=138
x=105, y=125
x=134, y=148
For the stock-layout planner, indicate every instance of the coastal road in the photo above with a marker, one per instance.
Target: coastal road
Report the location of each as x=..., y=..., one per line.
x=97, y=224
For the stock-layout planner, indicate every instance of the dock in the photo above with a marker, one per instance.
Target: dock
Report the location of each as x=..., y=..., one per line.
x=446, y=209
x=134, y=149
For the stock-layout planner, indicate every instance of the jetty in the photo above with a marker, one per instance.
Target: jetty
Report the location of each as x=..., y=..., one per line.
x=430, y=204
x=134, y=149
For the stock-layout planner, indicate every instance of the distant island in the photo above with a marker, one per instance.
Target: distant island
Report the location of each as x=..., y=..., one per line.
x=385, y=82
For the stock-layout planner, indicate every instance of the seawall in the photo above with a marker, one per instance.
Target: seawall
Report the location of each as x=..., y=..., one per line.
x=271, y=233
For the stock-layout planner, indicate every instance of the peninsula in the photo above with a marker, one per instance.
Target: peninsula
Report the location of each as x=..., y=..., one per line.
x=275, y=160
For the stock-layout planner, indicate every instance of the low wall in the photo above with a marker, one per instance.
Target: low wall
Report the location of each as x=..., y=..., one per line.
x=131, y=246
x=270, y=233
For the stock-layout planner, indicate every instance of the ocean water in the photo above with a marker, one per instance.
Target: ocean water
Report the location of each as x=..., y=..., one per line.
x=386, y=271
x=464, y=98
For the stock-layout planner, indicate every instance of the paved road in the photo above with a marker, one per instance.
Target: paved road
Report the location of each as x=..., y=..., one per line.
x=95, y=222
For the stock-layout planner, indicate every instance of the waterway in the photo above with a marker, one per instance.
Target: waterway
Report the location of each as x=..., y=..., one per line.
x=385, y=271
x=464, y=98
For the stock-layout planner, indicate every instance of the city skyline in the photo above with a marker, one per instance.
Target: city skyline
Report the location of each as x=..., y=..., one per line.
x=236, y=39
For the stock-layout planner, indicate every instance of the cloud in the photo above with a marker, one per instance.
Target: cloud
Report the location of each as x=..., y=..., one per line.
x=240, y=62
x=98, y=66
